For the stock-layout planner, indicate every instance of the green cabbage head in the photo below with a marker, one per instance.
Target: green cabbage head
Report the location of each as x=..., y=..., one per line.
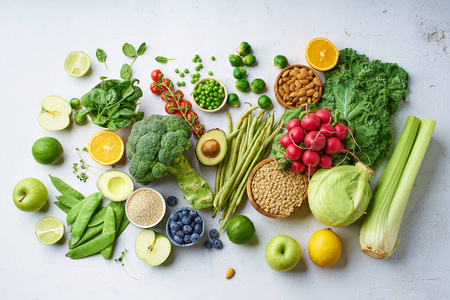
x=340, y=196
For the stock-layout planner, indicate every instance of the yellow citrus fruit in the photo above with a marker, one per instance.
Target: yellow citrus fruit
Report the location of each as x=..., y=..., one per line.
x=49, y=230
x=321, y=54
x=106, y=147
x=77, y=64
x=324, y=247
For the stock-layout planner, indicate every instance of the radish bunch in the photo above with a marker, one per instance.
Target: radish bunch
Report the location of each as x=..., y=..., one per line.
x=311, y=141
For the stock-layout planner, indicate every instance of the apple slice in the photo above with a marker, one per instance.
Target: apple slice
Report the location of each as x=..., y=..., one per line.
x=55, y=113
x=152, y=247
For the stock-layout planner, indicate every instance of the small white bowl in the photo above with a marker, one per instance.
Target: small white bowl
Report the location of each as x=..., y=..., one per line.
x=144, y=210
x=224, y=99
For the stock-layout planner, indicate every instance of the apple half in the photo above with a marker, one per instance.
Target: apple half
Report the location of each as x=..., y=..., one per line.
x=152, y=247
x=55, y=113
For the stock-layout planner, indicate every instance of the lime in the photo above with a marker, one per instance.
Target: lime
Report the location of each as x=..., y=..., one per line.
x=77, y=64
x=280, y=61
x=324, y=247
x=240, y=229
x=49, y=230
x=47, y=150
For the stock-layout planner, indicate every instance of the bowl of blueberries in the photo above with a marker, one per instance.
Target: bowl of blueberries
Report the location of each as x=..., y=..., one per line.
x=185, y=227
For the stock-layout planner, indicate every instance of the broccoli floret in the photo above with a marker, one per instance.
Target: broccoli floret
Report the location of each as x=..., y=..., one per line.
x=155, y=148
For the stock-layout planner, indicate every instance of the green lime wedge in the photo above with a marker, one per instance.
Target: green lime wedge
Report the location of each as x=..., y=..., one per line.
x=49, y=230
x=77, y=64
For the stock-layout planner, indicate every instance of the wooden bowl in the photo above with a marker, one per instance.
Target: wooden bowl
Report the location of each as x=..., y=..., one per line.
x=256, y=206
x=298, y=103
x=224, y=99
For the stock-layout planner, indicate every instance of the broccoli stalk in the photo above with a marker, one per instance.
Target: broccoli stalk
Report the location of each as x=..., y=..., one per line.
x=196, y=190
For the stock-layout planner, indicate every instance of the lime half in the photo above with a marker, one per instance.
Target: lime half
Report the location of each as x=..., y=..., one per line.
x=77, y=64
x=49, y=230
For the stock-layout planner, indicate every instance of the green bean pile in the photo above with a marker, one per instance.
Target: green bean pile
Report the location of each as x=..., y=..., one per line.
x=249, y=143
x=94, y=228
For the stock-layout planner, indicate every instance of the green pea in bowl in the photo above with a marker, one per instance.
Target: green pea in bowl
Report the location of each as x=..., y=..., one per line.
x=210, y=94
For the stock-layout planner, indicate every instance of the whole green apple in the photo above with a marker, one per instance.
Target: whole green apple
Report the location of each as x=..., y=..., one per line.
x=30, y=194
x=283, y=253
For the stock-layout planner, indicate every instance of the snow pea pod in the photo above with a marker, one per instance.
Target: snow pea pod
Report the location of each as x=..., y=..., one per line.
x=119, y=212
x=86, y=212
x=65, y=189
x=108, y=225
x=93, y=246
x=74, y=211
x=87, y=234
x=98, y=217
x=62, y=207
x=68, y=201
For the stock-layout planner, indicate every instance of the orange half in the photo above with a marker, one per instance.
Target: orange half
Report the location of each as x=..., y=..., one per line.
x=106, y=147
x=321, y=54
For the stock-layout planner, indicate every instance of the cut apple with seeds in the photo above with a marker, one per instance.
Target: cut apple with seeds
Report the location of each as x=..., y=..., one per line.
x=152, y=247
x=55, y=113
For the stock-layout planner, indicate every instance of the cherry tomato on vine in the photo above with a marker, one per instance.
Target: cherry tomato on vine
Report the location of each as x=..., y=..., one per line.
x=185, y=106
x=155, y=74
x=178, y=94
x=171, y=108
x=166, y=84
x=192, y=117
x=179, y=114
x=198, y=129
x=154, y=89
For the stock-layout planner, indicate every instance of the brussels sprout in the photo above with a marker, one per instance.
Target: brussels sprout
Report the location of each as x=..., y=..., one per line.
x=80, y=118
x=249, y=60
x=239, y=73
x=244, y=49
x=233, y=100
x=265, y=102
x=242, y=85
x=235, y=60
x=258, y=85
x=75, y=103
x=280, y=61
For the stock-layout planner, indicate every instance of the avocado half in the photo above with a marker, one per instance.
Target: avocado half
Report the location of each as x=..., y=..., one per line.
x=211, y=147
x=115, y=185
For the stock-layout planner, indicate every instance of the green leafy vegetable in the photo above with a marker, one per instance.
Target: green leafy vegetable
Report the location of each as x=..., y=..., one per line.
x=367, y=94
x=101, y=56
x=162, y=59
x=141, y=49
x=129, y=50
x=125, y=72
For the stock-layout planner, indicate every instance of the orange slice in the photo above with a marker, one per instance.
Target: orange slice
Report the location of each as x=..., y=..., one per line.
x=106, y=147
x=321, y=54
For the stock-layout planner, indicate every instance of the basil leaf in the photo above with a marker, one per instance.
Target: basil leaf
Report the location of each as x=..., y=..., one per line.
x=141, y=49
x=162, y=59
x=125, y=72
x=129, y=50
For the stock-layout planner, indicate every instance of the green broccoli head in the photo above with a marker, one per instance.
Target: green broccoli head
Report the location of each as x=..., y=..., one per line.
x=153, y=145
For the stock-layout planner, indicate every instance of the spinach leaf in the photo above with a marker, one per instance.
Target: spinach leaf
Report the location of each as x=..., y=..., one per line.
x=122, y=122
x=162, y=59
x=101, y=56
x=103, y=77
x=141, y=49
x=112, y=97
x=127, y=91
x=127, y=113
x=139, y=116
x=99, y=120
x=129, y=50
x=84, y=111
x=125, y=72
x=112, y=125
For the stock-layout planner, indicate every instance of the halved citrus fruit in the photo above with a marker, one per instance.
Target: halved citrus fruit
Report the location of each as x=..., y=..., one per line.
x=49, y=230
x=106, y=147
x=321, y=54
x=77, y=63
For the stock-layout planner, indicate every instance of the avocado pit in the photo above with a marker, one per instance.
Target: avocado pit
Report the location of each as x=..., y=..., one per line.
x=211, y=147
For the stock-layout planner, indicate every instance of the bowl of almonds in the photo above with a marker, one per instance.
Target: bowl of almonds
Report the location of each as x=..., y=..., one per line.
x=297, y=85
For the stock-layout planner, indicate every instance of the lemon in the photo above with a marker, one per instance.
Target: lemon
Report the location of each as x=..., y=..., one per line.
x=324, y=247
x=77, y=64
x=240, y=229
x=49, y=230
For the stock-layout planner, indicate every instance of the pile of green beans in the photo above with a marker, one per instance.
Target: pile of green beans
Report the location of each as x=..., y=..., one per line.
x=94, y=228
x=249, y=142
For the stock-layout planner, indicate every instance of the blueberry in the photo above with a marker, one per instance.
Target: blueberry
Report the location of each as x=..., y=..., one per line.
x=217, y=243
x=187, y=239
x=171, y=200
x=208, y=244
x=198, y=228
x=213, y=233
x=180, y=223
x=193, y=213
x=187, y=229
x=174, y=216
x=180, y=233
x=186, y=220
x=183, y=212
x=174, y=226
x=198, y=220
x=178, y=240
x=195, y=237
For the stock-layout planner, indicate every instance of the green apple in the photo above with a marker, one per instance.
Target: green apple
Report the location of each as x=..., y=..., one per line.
x=55, y=113
x=283, y=253
x=30, y=194
x=152, y=247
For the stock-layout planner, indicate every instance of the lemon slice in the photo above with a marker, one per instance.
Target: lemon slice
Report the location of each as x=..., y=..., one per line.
x=49, y=230
x=77, y=64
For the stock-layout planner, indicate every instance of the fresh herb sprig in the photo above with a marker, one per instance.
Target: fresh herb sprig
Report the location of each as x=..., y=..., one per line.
x=120, y=260
x=79, y=168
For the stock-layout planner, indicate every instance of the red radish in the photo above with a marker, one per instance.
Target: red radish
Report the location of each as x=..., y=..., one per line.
x=285, y=140
x=311, y=158
x=325, y=161
x=342, y=145
x=327, y=130
x=297, y=134
x=311, y=170
x=310, y=122
x=332, y=145
x=315, y=140
x=293, y=152
x=298, y=166
x=293, y=123
x=340, y=131
x=324, y=116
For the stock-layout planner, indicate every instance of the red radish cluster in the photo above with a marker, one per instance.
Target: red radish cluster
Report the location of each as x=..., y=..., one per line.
x=311, y=141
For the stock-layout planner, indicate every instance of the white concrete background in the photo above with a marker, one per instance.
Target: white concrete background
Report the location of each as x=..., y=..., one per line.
x=36, y=36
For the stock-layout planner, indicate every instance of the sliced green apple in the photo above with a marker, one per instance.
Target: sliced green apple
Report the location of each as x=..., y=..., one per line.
x=152, y=247
x=55, y=113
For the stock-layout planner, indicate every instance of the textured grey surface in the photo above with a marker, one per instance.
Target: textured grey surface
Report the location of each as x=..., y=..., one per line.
x=37, y=36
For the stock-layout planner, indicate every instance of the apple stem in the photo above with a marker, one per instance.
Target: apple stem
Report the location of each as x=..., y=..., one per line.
x=23, y=197
x=151, y=246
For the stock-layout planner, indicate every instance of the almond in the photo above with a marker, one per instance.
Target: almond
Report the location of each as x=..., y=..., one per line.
x=230, y=273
